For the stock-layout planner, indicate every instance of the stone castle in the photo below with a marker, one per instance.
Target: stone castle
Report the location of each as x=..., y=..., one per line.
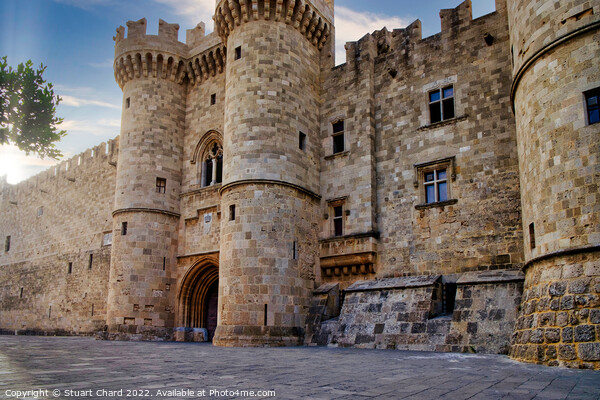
x=436, y=193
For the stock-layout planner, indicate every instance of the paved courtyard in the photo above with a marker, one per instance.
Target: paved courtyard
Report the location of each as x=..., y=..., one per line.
x=75, y=367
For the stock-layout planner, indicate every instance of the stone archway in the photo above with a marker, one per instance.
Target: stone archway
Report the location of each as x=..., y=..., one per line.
x=198, y=294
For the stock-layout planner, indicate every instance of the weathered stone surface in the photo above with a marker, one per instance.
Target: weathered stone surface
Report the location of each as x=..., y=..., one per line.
x=224, y=176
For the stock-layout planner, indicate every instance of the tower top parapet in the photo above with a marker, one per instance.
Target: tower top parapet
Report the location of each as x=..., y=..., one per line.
x=139, y=55
x=312, y=18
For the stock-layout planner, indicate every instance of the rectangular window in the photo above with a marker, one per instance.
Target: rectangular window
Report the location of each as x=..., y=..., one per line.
x=123, y=228
x=338, y=143
x=302, y=141
x=70, y=268
x=338, y=220
x=436, y=186
x=107, y=239
x=161, y=185
x=213, y=99
x=232, y=212
x=91, y=261
x=7, y=244
x=238, y=52
x=441, y=104
x=531, y=236
x=338, y=137
x=127, y=102
x=592, y=104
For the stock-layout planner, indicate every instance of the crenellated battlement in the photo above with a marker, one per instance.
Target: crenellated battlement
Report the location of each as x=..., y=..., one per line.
x=163, y=56
x=68, y=171
x=312, y=21
x=409, y=42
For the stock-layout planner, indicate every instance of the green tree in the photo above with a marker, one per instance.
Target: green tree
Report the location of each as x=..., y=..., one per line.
x=27, y=110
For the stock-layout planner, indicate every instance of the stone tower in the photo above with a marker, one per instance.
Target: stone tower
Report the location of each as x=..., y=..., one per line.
x=556, y=53
x=146, y=213
x=270, y=193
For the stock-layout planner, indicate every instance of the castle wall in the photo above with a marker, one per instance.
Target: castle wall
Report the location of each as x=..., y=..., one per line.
x=480, y=227
x=38, y=293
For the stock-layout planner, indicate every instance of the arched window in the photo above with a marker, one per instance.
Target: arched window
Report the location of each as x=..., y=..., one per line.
x=208, y=157
x=212, y=166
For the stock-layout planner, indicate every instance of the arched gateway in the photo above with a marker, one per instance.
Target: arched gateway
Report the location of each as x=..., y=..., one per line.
x=198, y=296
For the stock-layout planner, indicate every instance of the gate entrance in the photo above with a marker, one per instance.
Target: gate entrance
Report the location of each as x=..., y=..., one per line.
x=198, y=297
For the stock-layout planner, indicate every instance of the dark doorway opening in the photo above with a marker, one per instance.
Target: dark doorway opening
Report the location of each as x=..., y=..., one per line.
x=210, y=309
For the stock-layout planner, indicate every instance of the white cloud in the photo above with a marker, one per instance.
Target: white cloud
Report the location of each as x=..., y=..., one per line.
x=194, y=11
x=108, y=63
x=103, y=127
x=352, y=25
x=79, y=102
x=86, y=4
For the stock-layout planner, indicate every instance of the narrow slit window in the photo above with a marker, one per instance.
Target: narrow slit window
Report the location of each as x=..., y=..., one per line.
x=338, y=220
x=238, y=52
x=232, y=212
x=592, y=103
x=123, y=228
x=302, y=141
x=7, y=244
x=70, y=268
x=295, y=250
x=265, y=322
x=213, y=99
x=127, y=102
x=161, y=185
x=91, y=262
x=531, y=236
x=338, y=137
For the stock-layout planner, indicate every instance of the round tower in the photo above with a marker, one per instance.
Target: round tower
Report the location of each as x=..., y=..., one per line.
x=555, y=46
x=269, y=197
x=149, y=70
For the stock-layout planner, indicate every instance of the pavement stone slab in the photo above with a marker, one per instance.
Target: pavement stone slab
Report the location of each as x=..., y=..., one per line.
x=74, y=366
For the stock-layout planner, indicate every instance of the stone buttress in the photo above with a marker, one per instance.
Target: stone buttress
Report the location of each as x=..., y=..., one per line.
x=555, y=61
x=270, y=193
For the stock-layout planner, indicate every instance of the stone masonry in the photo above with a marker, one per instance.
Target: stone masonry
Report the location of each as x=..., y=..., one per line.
x=435, y=193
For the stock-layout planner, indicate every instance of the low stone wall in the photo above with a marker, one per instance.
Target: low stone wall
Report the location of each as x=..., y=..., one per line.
x=389, y=313
x=559, y=322
x=406, y=314
x=485, y=311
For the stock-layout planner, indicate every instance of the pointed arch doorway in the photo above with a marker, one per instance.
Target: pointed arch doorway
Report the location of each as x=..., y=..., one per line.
x=198, y=296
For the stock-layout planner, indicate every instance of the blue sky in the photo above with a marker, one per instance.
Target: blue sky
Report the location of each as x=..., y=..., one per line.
x=73, y=38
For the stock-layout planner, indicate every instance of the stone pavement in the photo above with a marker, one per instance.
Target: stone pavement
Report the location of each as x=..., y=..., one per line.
x=88, y=369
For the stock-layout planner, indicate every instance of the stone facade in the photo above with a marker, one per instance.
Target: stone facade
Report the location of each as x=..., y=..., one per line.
x=433, y=193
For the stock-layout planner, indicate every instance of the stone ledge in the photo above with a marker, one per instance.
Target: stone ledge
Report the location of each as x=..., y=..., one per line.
x=436, y=204
x=394, y=283
x=507, y=275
